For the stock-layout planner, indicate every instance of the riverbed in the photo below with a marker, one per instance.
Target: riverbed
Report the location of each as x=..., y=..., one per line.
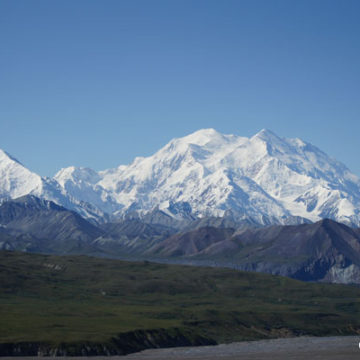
x=300, y=348
x=314, y=348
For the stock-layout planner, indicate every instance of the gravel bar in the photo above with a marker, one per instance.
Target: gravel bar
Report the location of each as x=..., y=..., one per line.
x=309, y=348
x=300, y=348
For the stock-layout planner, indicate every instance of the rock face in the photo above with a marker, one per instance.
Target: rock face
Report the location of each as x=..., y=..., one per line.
x=324, y=251
x=262, y=180
x=37, y=225
x=131, y=237
x=191, y=243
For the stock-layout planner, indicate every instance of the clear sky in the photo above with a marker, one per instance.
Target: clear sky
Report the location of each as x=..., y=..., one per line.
x=96, y=83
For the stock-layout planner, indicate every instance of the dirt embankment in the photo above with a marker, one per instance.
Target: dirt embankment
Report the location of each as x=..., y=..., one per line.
x=122, y=344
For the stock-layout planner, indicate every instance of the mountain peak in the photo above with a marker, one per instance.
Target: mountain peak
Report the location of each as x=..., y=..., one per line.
x=77, y=174
x=267, y=135
x=265, y=178
x=202, y=136
x=4, y=156
x=206, y=132
x=15, y=179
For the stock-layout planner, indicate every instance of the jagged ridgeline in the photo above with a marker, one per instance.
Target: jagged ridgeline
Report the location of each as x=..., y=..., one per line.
x=77, y=305
x=264, y=180
x=323, y=251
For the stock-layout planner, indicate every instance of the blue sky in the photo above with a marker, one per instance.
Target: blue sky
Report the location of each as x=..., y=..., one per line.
x=96, y=83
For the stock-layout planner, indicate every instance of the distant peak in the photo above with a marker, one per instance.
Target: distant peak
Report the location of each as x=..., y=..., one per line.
x=75, y=170
x=5, y=155
x=204, y=133
x=202, y=137
x=207, y=131
x=265, y=134
x=65, y=171
x=74, y=173
x=270, y=138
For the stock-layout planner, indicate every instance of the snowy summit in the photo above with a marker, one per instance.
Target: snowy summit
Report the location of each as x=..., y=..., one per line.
x=265, y=178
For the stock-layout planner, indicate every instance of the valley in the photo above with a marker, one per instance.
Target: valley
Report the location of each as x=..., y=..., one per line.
x=79, y=305
x=213, y=239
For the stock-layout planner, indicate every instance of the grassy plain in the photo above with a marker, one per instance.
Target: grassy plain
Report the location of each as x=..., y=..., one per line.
x=77, y=298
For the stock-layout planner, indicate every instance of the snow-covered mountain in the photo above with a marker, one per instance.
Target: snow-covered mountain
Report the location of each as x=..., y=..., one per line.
x=265, y=179
x=82, y=184
x=17, y=181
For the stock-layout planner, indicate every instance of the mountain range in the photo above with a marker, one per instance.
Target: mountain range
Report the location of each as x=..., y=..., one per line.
x=263, y=204
x=321, y=251
x=36, y=225
x=262, y=180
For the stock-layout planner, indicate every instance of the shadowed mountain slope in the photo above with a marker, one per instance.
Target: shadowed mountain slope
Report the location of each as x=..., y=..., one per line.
x=324, y=251
x=192, y=242
x=131, y=237
x=48, y=227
